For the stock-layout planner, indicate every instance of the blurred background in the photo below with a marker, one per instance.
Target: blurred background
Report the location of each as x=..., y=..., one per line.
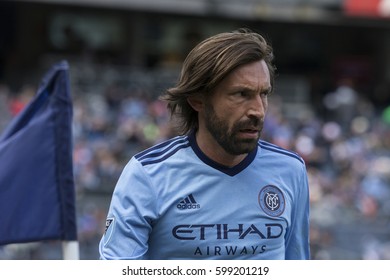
x=331, y=99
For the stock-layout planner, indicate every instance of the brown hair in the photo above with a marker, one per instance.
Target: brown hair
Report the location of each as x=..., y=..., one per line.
x=208, y=64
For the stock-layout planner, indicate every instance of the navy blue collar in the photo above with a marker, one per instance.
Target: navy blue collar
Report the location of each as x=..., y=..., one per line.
x=231, y=171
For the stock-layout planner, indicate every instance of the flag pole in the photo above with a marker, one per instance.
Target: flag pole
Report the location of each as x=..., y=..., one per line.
x=70, y=250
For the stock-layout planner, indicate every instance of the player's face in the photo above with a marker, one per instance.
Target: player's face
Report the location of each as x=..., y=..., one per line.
x=235, y=114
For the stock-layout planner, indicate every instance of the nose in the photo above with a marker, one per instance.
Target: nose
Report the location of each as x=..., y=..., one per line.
x=257, y=108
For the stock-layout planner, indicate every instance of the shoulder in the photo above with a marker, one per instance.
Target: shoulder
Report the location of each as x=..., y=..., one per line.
x=162, y=151
x=280, y=153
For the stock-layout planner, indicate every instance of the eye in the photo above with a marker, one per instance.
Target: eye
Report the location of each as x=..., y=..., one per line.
x=241, y=93
x=265, y=93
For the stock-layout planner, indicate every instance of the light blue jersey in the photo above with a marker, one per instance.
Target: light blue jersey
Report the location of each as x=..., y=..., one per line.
x=173, y=202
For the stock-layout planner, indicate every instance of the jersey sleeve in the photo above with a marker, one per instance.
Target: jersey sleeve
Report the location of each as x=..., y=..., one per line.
x=297, y=241
x=130, y=216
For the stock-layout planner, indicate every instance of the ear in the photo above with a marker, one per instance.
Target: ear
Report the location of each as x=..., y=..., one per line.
x=196, y=102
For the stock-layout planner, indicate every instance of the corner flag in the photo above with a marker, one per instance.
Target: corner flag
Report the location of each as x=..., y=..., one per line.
x=37, y=195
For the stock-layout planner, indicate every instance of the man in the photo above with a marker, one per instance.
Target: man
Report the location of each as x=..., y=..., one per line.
x=217, y=191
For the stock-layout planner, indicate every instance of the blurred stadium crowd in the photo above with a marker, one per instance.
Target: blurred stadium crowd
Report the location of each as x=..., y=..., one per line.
x=346, y=148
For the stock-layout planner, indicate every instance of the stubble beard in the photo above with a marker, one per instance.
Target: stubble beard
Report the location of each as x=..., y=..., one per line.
x=228, y=138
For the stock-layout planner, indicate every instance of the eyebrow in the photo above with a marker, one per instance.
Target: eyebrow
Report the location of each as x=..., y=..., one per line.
x=244, y=87
x=268, y=89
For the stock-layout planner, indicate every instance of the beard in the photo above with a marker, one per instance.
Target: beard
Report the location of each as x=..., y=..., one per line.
x=228, y=138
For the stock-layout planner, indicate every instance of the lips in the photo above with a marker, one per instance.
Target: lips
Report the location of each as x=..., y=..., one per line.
x=250, y=128
x=249, y=132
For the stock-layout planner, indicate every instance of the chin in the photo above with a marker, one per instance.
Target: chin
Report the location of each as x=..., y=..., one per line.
x=241, y=149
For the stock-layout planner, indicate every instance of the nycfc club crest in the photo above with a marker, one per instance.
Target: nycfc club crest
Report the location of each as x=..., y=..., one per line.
x=271, y=200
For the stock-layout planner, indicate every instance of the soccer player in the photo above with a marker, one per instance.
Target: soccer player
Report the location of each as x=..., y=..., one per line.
x=216, y=191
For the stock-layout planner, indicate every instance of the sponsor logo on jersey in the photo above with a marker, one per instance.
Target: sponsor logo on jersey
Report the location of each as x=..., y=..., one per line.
x=188, y=202
x=271, y=200
x=226, y=231
x=229, y=250
x=230, y=237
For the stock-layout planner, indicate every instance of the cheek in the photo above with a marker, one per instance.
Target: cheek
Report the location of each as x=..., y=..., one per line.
x=225, y=111
x=232, y=118
x=228, y=113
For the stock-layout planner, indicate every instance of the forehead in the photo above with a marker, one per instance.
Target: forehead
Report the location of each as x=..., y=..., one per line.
x=254, y=75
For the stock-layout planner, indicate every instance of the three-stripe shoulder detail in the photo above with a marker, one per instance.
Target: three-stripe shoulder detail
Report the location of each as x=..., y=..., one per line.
x=277, y=149
x=162, y=151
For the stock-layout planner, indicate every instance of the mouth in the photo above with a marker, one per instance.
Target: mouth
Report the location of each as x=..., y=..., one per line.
x=250, y=132
x=249, y=129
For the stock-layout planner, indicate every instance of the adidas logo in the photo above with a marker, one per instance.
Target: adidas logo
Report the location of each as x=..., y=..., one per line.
x=188, y=202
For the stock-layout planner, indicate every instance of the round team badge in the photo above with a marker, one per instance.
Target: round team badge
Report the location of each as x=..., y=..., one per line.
x=271, y=200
